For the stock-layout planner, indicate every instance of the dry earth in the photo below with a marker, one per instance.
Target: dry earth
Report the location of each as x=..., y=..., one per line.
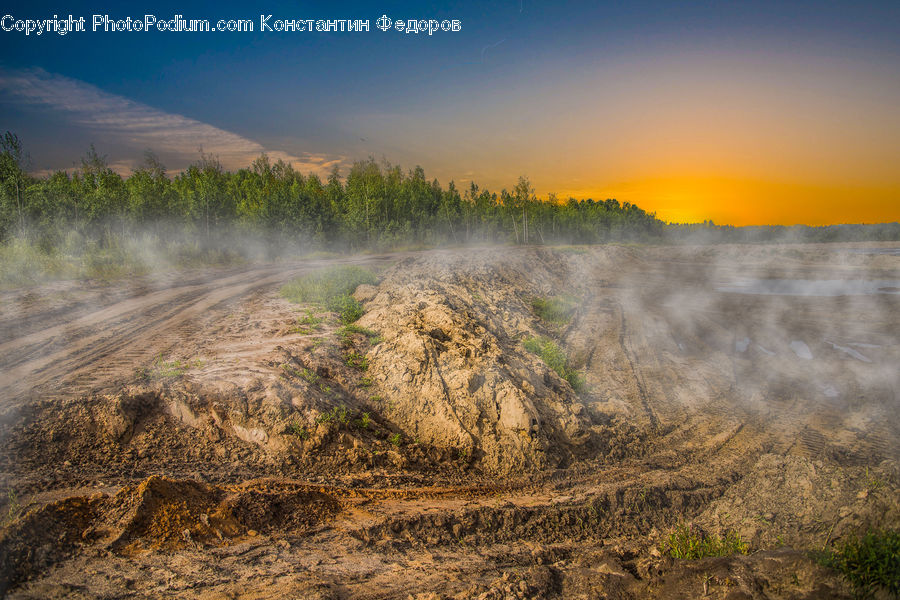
x=200, y=436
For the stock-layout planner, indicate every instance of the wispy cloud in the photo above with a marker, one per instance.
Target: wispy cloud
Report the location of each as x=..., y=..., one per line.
x=136, y=125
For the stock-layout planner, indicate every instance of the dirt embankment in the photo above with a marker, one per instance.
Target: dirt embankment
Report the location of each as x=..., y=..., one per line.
x=218, y=441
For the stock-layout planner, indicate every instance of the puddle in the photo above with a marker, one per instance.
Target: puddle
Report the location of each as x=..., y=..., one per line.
x=847, y=350
x=801, y=350
x=812, y=287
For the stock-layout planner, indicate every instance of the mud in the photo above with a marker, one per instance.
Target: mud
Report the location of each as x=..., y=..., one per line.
x=194, y=437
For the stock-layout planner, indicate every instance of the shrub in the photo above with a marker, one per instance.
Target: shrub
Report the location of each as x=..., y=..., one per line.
x=869, y=563
x=554, y=357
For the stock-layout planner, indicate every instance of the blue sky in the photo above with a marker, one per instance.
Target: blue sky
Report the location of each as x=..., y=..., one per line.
x=580, y=96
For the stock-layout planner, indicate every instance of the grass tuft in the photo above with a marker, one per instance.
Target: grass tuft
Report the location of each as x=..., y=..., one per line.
x=556, y=359
x=869, y=563
x=689, y=543
x=557, y=310
x=331, y=288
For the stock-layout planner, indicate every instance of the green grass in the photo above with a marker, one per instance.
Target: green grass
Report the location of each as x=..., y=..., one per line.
x=357, y=361
x=364, y=421
x=338, y=414
x=554, y=357
x=331, y=288
x=556, y=310
x=307, y=324
x=345, y=333
x=690, y=544
x=395, y=439
x=298, y=430
x=869, y=563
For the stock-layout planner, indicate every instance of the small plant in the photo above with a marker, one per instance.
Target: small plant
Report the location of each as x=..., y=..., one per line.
x=395, y=439
x=556, y=359
x=872, y=482
x=359, y=329
x=375, y=398
x=307, y=324
x=339, y=414
x=556, y=310
x=364, y=421
x=12, y=505
x=869, y=563
x=365, y=382
x=331, y=288
x=298, y=430
x=357, y=361
x=689, y=543
x=347, y=307
x=321, y=286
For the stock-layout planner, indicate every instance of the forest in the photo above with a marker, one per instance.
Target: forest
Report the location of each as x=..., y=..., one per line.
x=376, y=205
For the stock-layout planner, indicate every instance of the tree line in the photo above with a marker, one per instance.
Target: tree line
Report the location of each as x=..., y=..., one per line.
x=374, y=205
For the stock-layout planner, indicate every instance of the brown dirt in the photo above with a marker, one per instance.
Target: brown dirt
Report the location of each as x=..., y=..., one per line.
x=189, y=437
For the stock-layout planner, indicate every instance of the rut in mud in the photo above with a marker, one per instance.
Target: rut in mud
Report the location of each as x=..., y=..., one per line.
x=201, y=438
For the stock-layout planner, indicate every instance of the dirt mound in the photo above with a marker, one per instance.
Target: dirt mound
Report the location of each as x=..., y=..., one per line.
x=157, y=515
x=452, y=370
x=45, y=536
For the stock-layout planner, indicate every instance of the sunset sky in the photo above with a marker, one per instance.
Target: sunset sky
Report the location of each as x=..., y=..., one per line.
x=743, y=112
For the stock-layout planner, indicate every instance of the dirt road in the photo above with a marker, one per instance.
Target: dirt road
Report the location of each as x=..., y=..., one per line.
x=71, y=340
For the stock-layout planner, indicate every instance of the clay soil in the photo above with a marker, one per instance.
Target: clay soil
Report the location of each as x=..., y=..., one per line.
x=199, y=436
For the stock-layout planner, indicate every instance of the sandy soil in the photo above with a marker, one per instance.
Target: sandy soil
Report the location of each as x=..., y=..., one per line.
x=191, y=436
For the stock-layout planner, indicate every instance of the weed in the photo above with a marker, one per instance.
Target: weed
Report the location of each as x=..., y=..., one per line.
x=331, y=288
x=375, y=398
x=557, y=310
x=365, y=382
x=347, y=307
x=395, y=439
x=323, y=285
x=364, y=421
x=359, y=329
x=869, y=563
x=307, y=324
x=872, y=482
x=555, y=358
x=339, y=414
x=357, y=361
x=298, y=430
x=12, y=505
x=689, y=543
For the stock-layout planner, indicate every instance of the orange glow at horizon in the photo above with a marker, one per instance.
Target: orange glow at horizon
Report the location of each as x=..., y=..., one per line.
x=742, y=202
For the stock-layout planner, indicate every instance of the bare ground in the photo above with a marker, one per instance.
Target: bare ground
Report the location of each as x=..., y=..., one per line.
x=193, y=437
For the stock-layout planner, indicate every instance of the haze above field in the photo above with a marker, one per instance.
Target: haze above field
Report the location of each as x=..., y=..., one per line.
x=740, y=112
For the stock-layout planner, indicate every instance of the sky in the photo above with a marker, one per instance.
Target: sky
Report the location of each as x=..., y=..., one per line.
x=741, y=112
